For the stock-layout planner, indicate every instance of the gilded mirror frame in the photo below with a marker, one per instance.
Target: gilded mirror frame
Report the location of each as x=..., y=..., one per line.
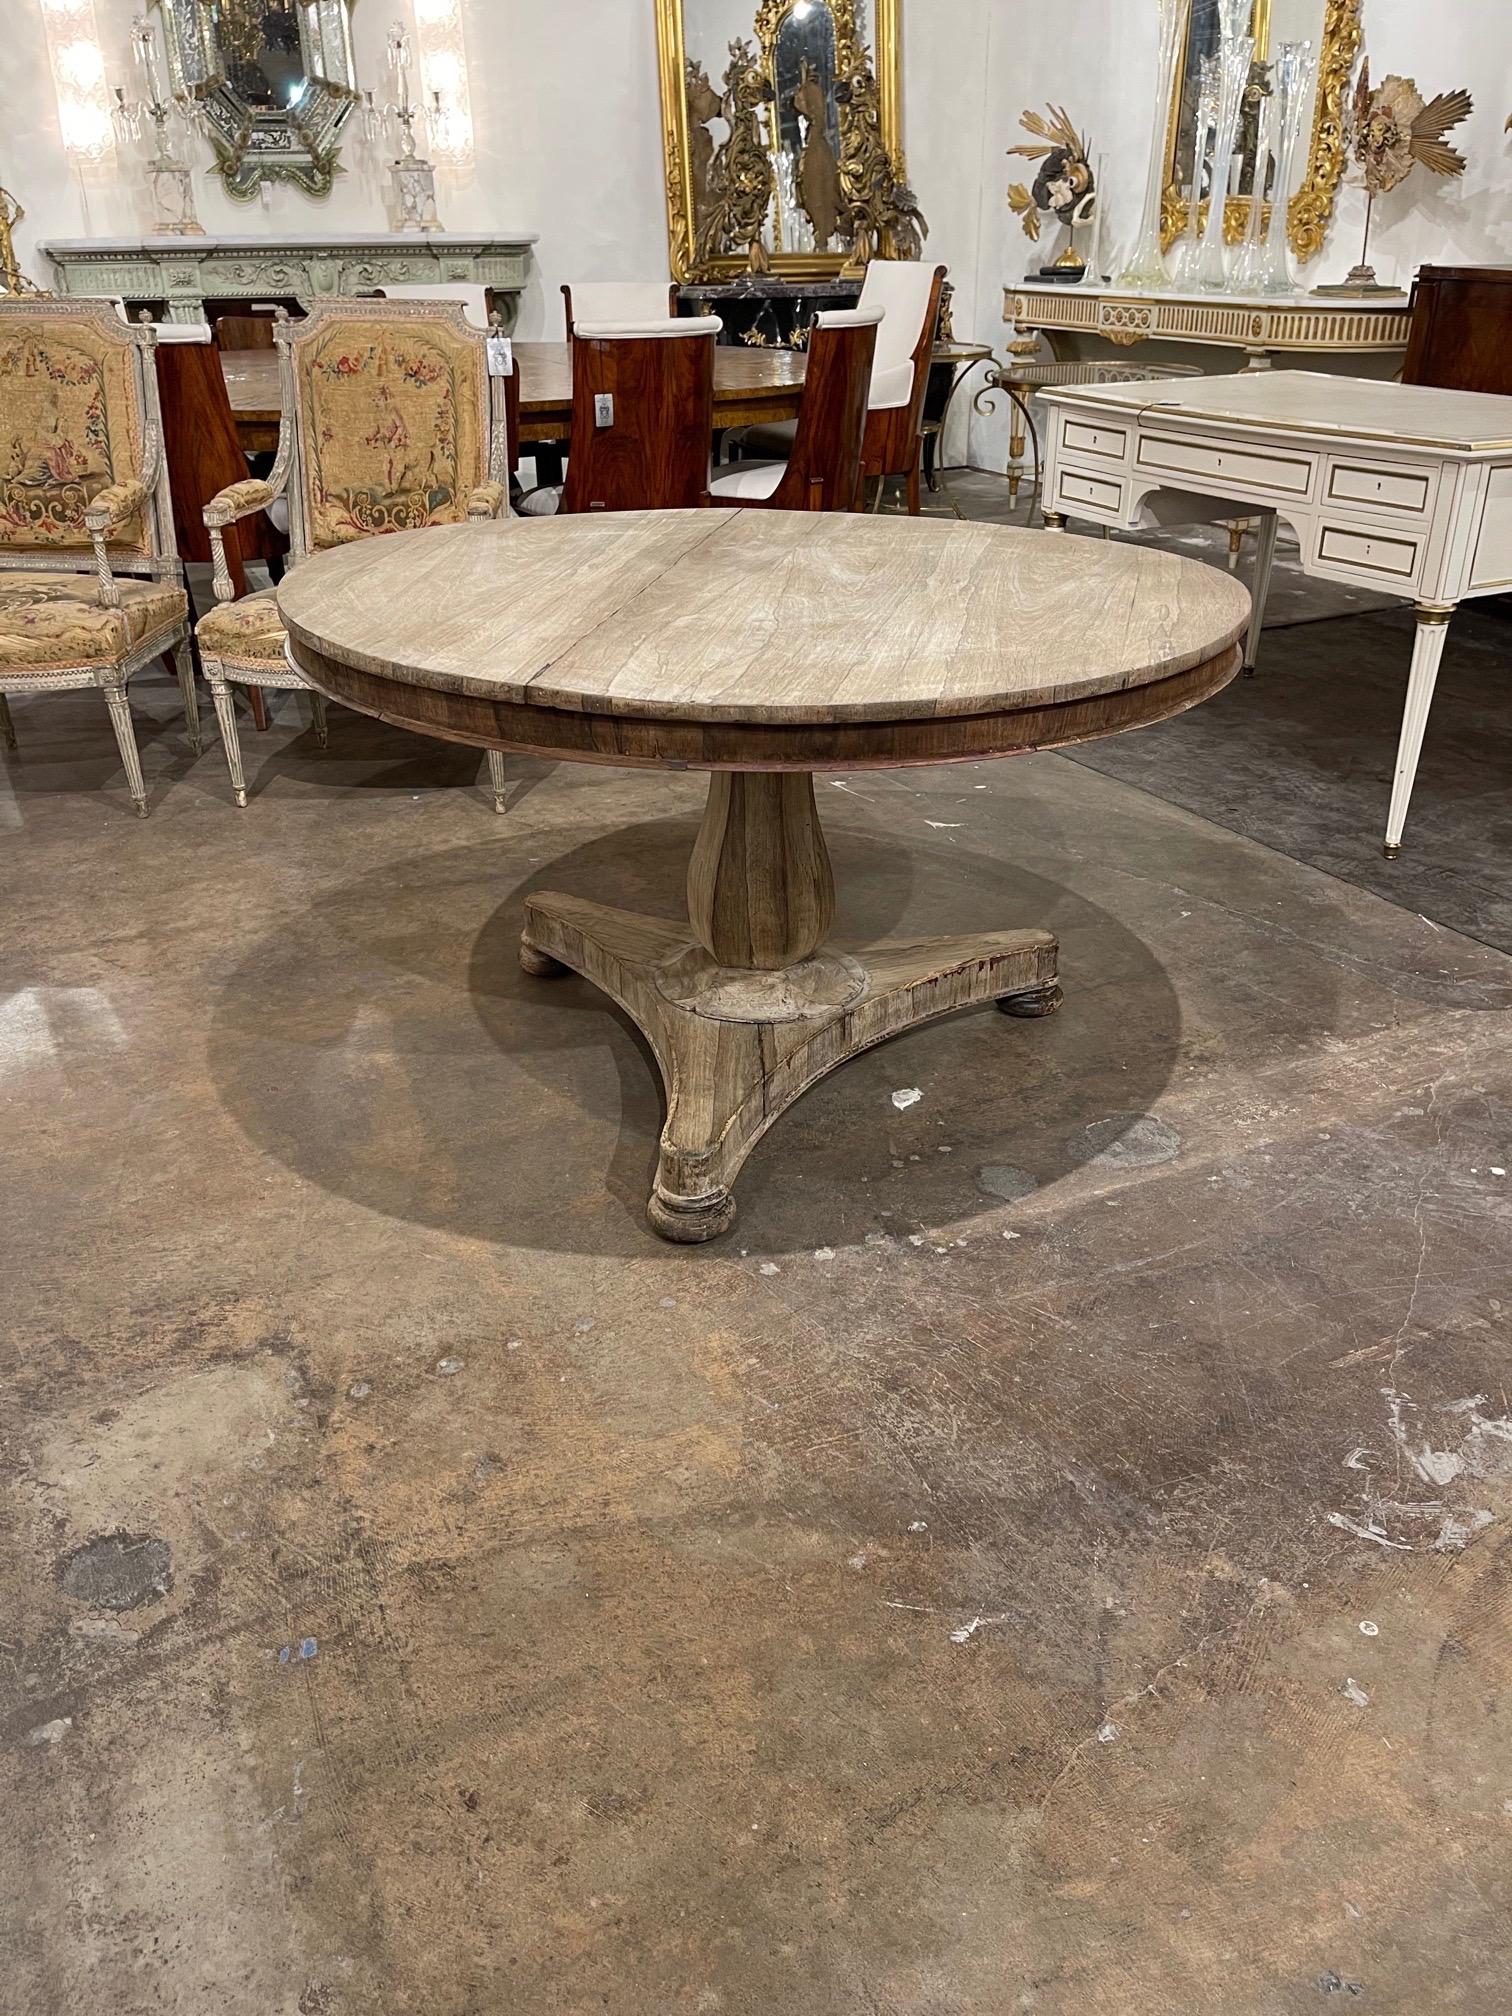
x=253, y=143
x=767, y=17
x=1311, y=208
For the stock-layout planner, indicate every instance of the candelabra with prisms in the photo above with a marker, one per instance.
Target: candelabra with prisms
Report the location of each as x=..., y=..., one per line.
x=1146, y=269
x=1236, y=51
x=170, y=180
x=412, y=179
x=1292, y=78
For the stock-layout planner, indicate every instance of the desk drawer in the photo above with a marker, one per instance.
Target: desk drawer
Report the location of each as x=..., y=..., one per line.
x=1078, y=491
x=1379, y=486
x=1389, y=559
x=1084, y=437
x=1270, y=471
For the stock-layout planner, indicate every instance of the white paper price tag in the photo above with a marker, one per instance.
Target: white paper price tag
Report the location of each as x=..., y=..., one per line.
x=500, y=357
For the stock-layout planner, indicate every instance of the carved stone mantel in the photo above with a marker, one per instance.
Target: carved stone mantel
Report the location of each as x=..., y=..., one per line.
x=185, y=273
x=1262, y=326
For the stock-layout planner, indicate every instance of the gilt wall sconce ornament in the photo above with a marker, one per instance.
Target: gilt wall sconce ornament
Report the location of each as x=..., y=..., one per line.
x=1391, y=130
x=1064, y=188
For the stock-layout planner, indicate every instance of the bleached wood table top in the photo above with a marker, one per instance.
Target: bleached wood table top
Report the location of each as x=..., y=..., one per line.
x=756, y=616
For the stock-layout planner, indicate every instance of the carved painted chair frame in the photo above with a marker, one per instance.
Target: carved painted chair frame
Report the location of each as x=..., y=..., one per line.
x=265, y=662
x=142, y=498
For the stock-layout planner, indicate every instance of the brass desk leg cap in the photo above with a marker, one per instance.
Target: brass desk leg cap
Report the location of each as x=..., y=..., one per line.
x=1392, y=848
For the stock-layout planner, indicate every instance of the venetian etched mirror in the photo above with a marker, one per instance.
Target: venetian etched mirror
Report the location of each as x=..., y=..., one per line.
x=759, y=98
x=276, y=78
x=1333, y=28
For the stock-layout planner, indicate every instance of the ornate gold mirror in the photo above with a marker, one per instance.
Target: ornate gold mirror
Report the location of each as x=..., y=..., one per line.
x=277, y=80
x=1333, y=28
x=783, y=131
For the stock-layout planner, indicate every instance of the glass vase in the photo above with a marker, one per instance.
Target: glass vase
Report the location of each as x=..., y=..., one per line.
x=1188, y=250
x=1292, y=88
x=1234, y=58
x=1248, y=269
x=1146, y=268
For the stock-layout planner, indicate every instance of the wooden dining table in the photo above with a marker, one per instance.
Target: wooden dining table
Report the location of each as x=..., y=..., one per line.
x=762, y=646
x=752, y=388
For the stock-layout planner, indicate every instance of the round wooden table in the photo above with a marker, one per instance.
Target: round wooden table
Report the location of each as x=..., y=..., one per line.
x=761, y=646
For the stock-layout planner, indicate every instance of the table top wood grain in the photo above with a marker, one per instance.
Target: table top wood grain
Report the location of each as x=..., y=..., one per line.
x=751, y=386
x=787, y=618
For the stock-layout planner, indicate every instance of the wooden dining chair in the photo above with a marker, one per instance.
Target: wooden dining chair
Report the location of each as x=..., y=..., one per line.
x=619, y=301
x=642, y=415
x=823, y=473
x=908, y=293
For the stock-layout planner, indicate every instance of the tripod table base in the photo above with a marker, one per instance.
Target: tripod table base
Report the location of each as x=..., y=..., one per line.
x=737, y=1045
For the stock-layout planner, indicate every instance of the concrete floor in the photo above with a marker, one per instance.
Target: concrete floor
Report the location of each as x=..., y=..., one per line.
x=1051, y=1558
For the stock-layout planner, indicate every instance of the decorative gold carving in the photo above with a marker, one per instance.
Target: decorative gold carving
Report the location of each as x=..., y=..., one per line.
x=688, y=263
x=12, y=279
x=885, y=217
x=1311, y=208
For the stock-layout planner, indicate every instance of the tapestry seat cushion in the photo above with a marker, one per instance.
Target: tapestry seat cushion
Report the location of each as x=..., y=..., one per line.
x=49, y=621
x=248, y=632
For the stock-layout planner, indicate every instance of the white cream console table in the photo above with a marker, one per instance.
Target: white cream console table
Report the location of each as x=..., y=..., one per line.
x=185, y=273
x=1262, y=326
x=1401, y=488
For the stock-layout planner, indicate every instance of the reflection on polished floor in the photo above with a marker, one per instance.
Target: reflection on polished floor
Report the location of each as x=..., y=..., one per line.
x=1082, y=1481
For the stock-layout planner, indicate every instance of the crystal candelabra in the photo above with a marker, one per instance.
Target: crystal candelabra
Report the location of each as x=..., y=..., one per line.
x=1235, y=53
x=170, y=180
x=1189, y=251
x=412, y=179
x=1295, y=69
x=1248, y=269
x=1146, y=268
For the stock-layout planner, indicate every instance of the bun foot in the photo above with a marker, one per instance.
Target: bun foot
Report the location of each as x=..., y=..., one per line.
x=539, y=964
x=689, y=1221
x=1033, y=1000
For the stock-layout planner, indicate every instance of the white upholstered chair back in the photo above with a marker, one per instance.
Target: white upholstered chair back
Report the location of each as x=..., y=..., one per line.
x=901, y=289
x=474, y=299
x=620, y=300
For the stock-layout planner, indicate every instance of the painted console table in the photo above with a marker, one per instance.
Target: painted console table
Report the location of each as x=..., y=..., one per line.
x=185, y=273
x=1261, y=326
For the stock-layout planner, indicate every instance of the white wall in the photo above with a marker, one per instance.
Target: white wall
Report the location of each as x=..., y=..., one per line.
x=564, y=99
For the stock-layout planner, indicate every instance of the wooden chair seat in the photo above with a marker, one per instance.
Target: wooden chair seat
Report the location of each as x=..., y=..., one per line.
x=823, y=473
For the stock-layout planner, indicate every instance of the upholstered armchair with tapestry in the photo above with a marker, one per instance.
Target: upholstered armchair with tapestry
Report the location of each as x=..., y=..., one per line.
x=91, y=587
x=391, y=422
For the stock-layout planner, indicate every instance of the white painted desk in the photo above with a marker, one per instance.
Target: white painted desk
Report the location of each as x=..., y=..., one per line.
x=1401, y=488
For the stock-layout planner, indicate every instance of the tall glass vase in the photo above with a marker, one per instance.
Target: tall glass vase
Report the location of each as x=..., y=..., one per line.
x=1146, y=268
x=1248, y=269
x=1188, y=250
x=1234, y=57
x=1292, y=88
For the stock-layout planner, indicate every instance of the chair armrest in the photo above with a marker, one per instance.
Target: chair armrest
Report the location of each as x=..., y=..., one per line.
x=486, y=501
x=238, y=500
x=105, y=513
x=109, y=508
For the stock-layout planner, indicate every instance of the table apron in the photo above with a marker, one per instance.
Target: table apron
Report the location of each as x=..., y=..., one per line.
x=632, y=742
